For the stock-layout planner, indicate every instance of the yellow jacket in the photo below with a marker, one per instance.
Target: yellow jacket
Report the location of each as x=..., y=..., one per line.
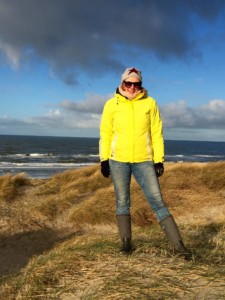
x=131, y=130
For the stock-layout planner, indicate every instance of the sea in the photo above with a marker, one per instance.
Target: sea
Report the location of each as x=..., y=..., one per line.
x=43, y=156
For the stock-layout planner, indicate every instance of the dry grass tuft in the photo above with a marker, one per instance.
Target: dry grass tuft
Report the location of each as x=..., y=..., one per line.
x=11, y=186
x=66, y=190
x=102, y=202
x=213, y=176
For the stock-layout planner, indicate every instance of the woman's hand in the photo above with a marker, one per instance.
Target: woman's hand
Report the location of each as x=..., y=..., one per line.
x=105, y=168
x=159, y=169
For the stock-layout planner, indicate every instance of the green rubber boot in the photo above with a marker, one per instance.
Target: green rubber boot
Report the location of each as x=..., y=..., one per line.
x=173, y=235
x=124, y=225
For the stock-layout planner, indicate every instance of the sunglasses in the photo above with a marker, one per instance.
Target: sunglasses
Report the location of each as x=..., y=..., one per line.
x=129, y=84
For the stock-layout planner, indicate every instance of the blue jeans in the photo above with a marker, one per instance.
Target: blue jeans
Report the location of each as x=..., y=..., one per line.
x=144, y=174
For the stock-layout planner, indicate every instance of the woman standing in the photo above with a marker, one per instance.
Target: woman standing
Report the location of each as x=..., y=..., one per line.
x=131, y=143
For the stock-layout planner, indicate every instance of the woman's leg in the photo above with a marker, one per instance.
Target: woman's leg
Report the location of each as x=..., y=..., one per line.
x=121, y=177
x=144, y=174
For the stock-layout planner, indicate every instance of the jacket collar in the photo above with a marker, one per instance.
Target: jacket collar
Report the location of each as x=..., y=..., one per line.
x=124, y=99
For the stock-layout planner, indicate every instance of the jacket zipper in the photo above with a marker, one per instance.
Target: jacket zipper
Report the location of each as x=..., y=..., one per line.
x=133, y=132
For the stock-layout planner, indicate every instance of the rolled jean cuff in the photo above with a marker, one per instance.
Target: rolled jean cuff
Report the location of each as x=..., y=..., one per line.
x=162, y=213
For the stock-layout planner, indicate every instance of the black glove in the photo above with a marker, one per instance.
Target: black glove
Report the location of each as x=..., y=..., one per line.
x=159, y=169
x=105, y=168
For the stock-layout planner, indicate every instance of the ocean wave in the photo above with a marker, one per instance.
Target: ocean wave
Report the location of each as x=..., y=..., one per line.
x=194, y=157
x=5, y=165
x=26, y=156
x=209, y=156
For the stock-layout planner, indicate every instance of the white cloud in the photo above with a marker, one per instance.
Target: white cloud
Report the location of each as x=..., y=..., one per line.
x=53, y=113
x=205, y=122
x=179, y=115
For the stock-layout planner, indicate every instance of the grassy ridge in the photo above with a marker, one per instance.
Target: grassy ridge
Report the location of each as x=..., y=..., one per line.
x=59, y=239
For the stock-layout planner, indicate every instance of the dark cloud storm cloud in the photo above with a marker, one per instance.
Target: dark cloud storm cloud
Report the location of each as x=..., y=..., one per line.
x=85, y=34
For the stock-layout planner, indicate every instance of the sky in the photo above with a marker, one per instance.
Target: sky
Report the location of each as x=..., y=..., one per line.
x=61, y=60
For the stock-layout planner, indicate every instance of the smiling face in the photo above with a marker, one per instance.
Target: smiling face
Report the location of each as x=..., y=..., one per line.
x=131, y=85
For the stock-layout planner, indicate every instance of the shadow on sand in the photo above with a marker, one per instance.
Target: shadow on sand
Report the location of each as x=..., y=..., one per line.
x=16, y=250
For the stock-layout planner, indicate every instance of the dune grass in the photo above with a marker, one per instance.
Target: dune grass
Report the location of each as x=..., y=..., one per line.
x=10, y=186
x=59, y=238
